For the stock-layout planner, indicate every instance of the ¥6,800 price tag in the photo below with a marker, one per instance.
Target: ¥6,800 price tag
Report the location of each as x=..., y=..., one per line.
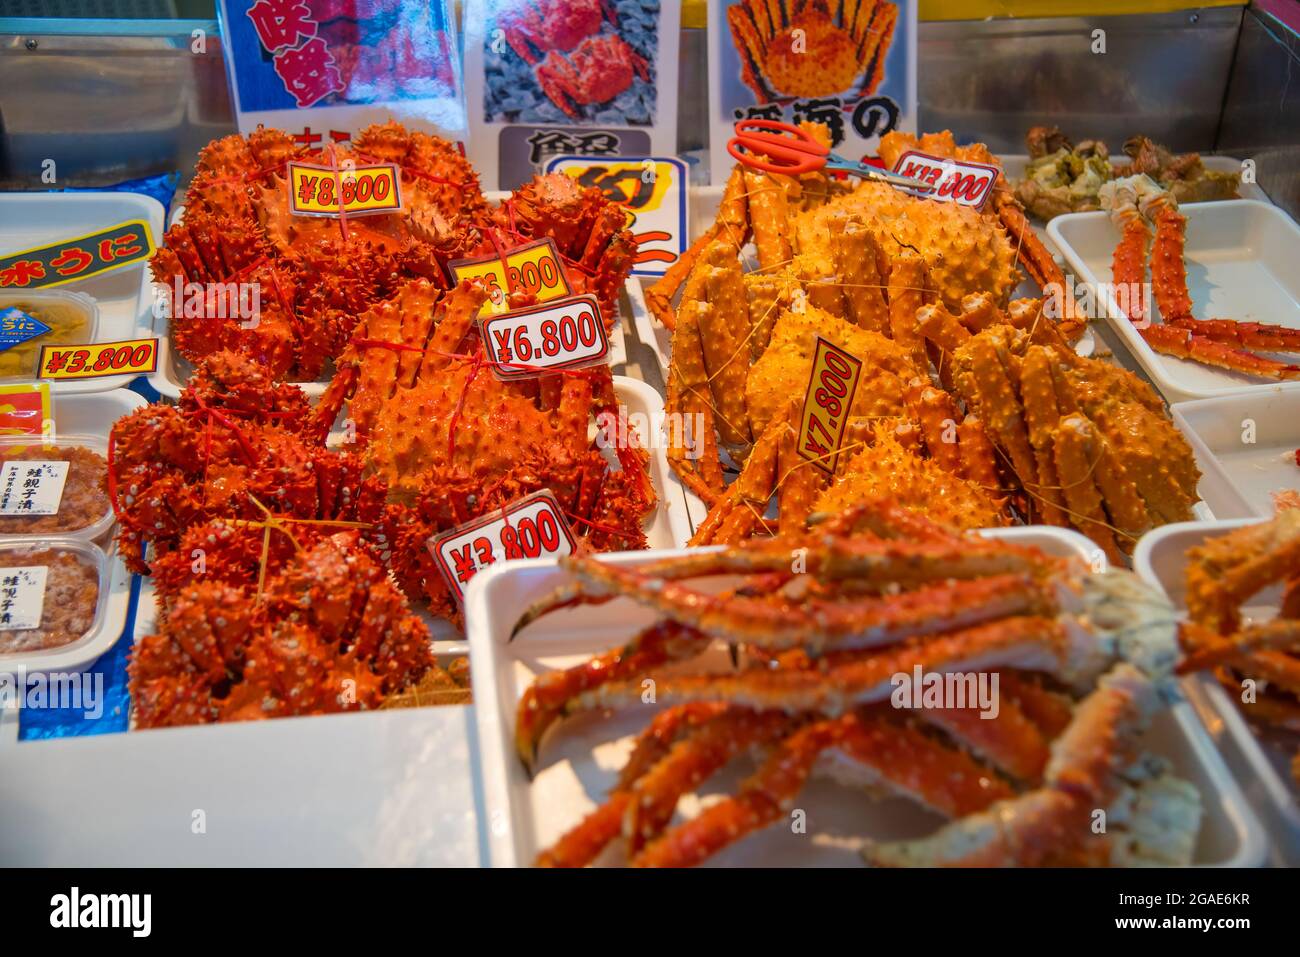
x=358, y=190
x=129, y=357
x=530, y=527
x=558, y=335
x=533, y=268
x=831, y=386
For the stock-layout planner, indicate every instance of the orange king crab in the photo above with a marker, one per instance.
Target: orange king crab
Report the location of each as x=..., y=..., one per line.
x=802, y=48
x=314, y=274
x=235, y=446
x=576, y=65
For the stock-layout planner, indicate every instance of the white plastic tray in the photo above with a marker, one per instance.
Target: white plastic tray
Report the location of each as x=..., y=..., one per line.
x=519, y=817
x=1239, y=477
x=1240, y=257
x=124, y=296
x=91, y=415
x=1261, y=764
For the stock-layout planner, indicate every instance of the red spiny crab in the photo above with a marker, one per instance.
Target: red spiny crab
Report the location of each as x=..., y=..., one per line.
x=233, y=441
x=598, y=70
x=547, y=25
x=329, y=632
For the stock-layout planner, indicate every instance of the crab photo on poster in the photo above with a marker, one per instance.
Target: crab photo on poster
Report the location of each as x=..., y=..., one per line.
x=577, y=62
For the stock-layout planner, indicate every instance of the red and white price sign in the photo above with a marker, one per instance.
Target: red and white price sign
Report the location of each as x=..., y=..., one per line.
x=831, y=386
x=553, y=335
x=530, y=527
x=951, y=181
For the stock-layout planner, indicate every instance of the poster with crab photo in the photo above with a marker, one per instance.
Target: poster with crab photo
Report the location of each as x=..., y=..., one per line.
x=547, y=78
x=850, y=64
x=324, y=69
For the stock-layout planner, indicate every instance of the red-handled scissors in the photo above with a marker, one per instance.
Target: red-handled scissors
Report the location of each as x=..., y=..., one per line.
x=790, y=150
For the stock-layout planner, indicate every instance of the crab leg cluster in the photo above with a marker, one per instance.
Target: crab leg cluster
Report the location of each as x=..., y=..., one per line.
x=879, y=592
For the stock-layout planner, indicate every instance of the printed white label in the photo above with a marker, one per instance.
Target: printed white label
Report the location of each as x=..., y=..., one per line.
x=951, y=181
x=22, y=597
x=531, y=527
x=32, y=487
x=557, y=335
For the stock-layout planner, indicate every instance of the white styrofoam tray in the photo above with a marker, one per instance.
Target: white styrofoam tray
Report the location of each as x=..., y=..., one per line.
x=124, y=295
x=518, y=817
x=1245, y=446
x=1240, y=258
x=90, y=415
x=174, y=370
x=1261, y=762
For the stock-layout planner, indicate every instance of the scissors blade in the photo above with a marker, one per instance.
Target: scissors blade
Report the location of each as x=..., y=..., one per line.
x=867, y=171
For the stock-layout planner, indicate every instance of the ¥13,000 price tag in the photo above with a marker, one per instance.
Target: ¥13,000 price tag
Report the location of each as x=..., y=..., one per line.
x=530, y=527
x=534, y=268
x=357, y=190
x=831, y=387
x=128, y=357
x=951, y=181
x=558, y=335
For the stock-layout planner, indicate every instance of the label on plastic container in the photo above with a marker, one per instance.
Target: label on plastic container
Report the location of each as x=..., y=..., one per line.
x=32, y=487
x=951, y=181
x=534, y=268
x=22, y=597
x=16, y=327
x=559, y=335
x=831, y=387
x=530, y=527
x=80, y=257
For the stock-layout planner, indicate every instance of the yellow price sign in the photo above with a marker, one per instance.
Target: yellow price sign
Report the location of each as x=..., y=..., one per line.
x=534, y=268
x=831, y=387
x=357, y=190
x=126, y=357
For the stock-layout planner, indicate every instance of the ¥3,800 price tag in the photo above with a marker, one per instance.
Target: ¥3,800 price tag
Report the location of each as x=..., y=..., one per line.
x=831, y=387
x=129, y=357
x=533, y=268
x=558, y=335
x=358, y=190
x=530, y=527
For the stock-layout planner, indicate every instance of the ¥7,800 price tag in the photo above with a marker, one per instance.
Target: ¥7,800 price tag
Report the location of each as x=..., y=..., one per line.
x=533, y=268
x=357, y=190
x=557, y=335
x=530, y=527
x=128, y=357
x=831, y=386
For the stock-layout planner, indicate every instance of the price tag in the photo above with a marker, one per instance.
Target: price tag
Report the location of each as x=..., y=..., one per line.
x=22, y=597
x=831, y=387
x=559, y=335
x=530, y=527
x=32, y=487
x=363, y=190
x=81, y=257
x=951, y=181
x=128, y=357
x=16, y=327
x=534, y=268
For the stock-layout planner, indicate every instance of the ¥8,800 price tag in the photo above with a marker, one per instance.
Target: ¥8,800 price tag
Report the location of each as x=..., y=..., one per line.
x=530, y=527
x=361, y=190
x=558, y=335
x=831, y=386
x=533, y=268
x=128, y=357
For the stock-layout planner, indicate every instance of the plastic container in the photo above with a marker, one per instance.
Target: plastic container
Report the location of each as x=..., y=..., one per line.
x=519, y=816
x=1261, y=764
x=72, y=316
x=124, y=296
x=1240, y=257
x=109, y=612
x=81, y=479
x=1245, y=446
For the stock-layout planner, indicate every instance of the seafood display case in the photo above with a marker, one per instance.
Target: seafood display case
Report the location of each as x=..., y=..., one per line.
x=910, y=480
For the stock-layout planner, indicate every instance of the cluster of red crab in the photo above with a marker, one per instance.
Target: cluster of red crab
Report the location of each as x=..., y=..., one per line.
x=271, y=548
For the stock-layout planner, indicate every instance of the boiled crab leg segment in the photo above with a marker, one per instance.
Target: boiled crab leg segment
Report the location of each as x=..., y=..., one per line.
x=1168, y=270
x=1042, y=418
x=936, y=413
x=978, y=462
x=1081, y=776
x=908, y=284
x=546, y=699
x=1050, y=711
x=1075, y=464
x=655, y=741
x=768, y=296
x=1009, y=741
x=1031, y=643
x=1182, y=342
x=740, y=511
x=857, y=255
x=769, y=212
x=580, y=846
x=1225, y=571
x=799, y=481
x=691, y=401
x=1273, y=635
x=1128, y=262
x=723, y=331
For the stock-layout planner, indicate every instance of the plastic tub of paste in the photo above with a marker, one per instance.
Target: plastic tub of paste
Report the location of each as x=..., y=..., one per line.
x=83, y=508
x=69, y=631
x=73, y=318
